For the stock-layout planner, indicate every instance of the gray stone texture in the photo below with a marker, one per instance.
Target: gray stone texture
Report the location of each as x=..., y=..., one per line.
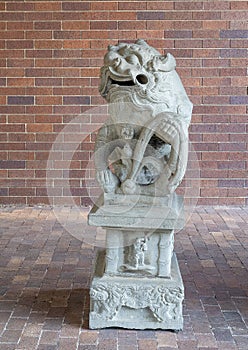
x=136, y=303
x=141, y=157
x=137, y=282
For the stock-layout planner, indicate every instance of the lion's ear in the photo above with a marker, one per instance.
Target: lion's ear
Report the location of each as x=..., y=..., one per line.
x=165, y=63
x=141, y=42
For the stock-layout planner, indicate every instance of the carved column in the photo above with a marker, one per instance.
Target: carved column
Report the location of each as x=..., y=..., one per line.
x=166, y=245
x=112, y=251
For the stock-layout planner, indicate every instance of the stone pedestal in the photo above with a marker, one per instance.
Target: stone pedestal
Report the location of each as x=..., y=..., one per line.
x=137, y=283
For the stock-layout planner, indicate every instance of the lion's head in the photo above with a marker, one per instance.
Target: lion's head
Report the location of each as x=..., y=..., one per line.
x=139, y=74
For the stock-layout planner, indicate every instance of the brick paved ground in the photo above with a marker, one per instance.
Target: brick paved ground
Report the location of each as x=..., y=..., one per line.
x=45, y=276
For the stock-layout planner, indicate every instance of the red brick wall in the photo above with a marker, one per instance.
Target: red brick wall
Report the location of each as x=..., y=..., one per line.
x=50, y=54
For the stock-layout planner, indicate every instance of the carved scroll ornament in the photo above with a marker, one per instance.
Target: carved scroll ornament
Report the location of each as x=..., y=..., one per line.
x=163, y=302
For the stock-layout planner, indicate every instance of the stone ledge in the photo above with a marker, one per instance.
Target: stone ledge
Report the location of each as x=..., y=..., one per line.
x=167, y=216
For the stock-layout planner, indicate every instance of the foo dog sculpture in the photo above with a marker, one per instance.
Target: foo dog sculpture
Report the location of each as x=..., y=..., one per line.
x=140, y=158
x=150, y=114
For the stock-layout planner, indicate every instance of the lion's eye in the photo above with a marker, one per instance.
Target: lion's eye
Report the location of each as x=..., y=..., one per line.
x=132, y=59
x=116, y=61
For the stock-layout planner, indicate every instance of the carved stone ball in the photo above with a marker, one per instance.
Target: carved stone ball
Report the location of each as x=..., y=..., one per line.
x=129, y=187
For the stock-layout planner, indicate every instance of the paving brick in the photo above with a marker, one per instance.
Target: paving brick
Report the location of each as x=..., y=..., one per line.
x=166, y=340
x=146, y=343
x=90, y=338
x=27, y=343
x=222, y=334
x=11, y=336
x=48, y=317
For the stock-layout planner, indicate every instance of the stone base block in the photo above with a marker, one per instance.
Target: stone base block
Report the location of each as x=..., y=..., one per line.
x=136, y=302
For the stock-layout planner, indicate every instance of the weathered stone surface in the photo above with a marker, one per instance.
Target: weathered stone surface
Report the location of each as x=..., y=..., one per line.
x=143, y=147
x=139, y=252
x=140, y=156
x=136, y=303
x=134, y=212
x=138, y=257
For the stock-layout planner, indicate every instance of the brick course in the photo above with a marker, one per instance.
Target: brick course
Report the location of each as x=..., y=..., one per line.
x=50, y=56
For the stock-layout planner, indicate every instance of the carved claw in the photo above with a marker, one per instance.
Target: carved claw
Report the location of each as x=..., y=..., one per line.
x=107, y=180
x=128, y=187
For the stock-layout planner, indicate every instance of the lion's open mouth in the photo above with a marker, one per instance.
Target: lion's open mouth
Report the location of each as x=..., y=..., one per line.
x=122, y=83
x=115, y=81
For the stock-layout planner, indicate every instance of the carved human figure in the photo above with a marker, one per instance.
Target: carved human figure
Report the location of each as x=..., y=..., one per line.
x=140, y=247
x=144, y=143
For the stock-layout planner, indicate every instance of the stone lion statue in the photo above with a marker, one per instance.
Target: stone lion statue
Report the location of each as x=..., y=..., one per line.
x=143, y=146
